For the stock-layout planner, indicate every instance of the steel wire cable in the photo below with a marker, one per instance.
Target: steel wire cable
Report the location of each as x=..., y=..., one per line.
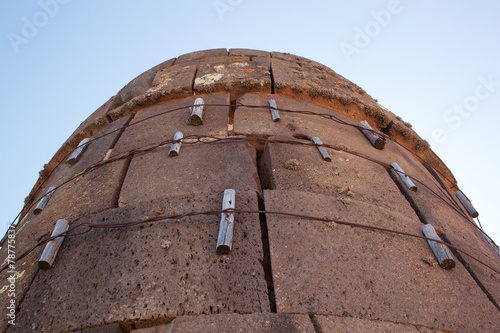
x=216, y=139
x=90, y=226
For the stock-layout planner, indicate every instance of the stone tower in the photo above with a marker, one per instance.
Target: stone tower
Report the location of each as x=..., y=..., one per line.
x=325, y=232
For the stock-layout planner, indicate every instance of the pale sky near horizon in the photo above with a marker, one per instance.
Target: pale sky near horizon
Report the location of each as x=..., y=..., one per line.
x=435, y=64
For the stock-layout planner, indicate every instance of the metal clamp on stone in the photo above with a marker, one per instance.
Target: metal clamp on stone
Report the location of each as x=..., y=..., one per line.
x=176, y=146
x=404, y=177
x=467, y=204
x=78, y=152
x=41, y=205
x=322, y=150
x=441, y=251
x=275, y=116
x=225, y=239
x=196, y=117
x=50, y=252
x=376, y=140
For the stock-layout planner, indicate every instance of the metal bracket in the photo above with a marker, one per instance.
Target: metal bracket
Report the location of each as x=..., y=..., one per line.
x=225, y=239
x=408, y=182
x=78, y=152
x=196, y=117
x=41, y=205
x=50, y=252
x=376, y=140
x=441, y=251
x=275, y=116
x=322, y=150
x=176, y=146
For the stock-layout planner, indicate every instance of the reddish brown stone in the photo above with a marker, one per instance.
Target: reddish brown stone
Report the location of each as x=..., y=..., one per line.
x=90, y=124
x=143, y=133
x=249, y=53
x=111, y=328
x=201, y=55
x=200, y=168
x=357, y=325
x=161, y=270
x=143, y=82
x=344, y=271
x=319, y=83
x=172, y=82
x=347, y=177
x=94, y=154
x=96, y=191
x=230, y=323
x=257, y=122
x=25, y=271
x=233, y=75
x=460, y=231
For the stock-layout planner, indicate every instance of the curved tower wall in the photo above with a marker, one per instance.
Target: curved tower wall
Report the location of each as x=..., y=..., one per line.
x=285, y=273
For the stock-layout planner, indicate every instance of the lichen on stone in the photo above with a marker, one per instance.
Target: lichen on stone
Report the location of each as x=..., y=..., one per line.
x=292, y=164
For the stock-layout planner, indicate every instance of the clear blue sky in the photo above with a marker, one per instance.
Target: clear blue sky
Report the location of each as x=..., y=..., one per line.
x=434, y=63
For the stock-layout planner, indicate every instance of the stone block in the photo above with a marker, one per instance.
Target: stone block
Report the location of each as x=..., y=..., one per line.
x=201, y=55
x=319, y=83
x=96, y=191
x=298, y=60
x=230, y=323
x=111, y=328
x=152, y=272
x=345, y=271
x=24, y=272
x=357, y=325
x=144, y=132
x=94, y=153
x=249, y=53
x=347, y=177
x=199, y=168
x=143, y=82
x=257, y=122
x=174, y=81
x=461, y=232
x=235, y=74
x=91, y=123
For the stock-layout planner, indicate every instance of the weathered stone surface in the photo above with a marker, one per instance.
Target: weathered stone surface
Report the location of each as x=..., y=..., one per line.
x=344, y=271
x=257, y=122
x=143, y=82
x=348, y=177
x=233, y=75
x=142, y=133
x=25, y=271
x=298, y=60
x=232, y=323
x=91, y=123
x=357, y=325
x=175, y=81
x=198, y=168
x=302, y=67
x=201, y=55
x=111, y=328
x=93, y=154
x=459, y=231
x=149, y=272
x=249, y=53
x=323, y=86
x=96, y=191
